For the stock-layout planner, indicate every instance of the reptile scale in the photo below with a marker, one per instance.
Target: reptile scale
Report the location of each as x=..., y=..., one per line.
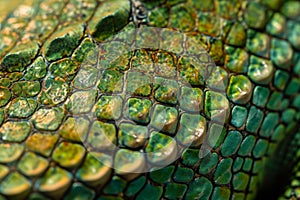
x=165, y=99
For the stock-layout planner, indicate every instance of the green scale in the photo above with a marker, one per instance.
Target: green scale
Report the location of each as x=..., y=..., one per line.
x=165, y=99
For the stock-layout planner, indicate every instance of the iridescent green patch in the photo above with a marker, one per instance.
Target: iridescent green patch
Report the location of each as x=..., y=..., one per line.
x=111, y=81
x=239, y=89
x=138, y=110
x=143, y=68
x=161, y=149
x=33, y=143
x=81, y=102
x=109, y=107
x=164, y=118
x=36, y=70
x=166, y=90
x=276, y=25
x=288, y=115
x=231, y=143
x=254, y=119
x=281, y=53
x=32, y=165
x=216, y=106
x=260, y=148
x=15, y=131
x=191, y=99
x=260, y=70
x=68, y=155
x=133, y=136
x=26, y=88
x=192, y=129
x=293, y=33
x=238, y=116
x=258, y=43
x=102, y=136
x=268, y=125
x=293, y=87
x=260, y=96
x=216, y=135
x=21, y=107
x=236, y=59
x=223, y=172
x=64, y=68
x=48, y=119
x=54, y=91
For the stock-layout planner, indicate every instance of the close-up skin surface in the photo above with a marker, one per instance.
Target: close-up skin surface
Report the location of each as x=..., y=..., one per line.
x=150, y=99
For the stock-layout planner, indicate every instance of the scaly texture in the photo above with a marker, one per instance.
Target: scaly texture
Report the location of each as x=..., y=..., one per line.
x=167, y=99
